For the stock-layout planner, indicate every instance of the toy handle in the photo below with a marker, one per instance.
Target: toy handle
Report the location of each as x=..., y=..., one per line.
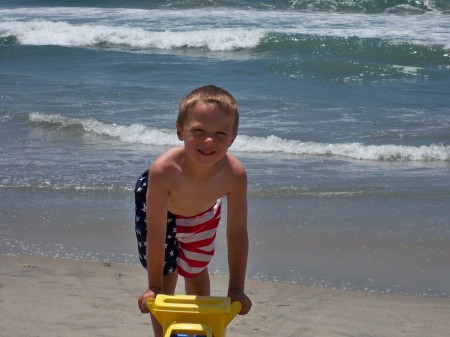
x=235, y=308
x=150, y=303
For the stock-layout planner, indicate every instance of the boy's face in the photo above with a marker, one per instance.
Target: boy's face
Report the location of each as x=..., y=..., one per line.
x=207, y=133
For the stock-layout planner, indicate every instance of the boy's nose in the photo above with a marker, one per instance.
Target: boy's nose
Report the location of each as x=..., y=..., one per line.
x=209, y=138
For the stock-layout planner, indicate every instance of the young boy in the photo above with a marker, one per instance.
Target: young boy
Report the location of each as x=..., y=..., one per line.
x=178, y=202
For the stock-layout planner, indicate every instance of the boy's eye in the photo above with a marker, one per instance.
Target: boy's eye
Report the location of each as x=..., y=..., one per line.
x=202, y=133
x=198, y=132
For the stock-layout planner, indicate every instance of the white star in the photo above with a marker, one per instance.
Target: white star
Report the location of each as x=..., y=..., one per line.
x=144, y=209
x=139, y=189
x=172, y=253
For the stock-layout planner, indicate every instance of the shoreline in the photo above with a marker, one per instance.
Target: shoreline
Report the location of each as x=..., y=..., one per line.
x=332, y=243
x=42, y=296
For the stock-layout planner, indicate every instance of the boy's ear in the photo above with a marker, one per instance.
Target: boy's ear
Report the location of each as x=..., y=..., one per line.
x=179, y=132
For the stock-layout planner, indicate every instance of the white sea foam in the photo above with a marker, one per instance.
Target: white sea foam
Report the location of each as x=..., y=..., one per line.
x=134, y=133
x=65, y=34
x=230, y=28
x=140, y=134
x=349, y=150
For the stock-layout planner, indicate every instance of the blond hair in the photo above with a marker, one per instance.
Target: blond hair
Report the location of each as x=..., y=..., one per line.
x=209, y=94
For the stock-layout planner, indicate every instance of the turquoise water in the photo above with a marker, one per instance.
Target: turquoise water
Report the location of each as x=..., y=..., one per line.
x=345, y=114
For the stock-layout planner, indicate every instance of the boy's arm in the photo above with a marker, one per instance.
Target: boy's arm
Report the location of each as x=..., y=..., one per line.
x=157, y=196
x=237, y=239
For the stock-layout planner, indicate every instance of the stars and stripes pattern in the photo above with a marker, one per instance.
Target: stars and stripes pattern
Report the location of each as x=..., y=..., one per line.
x=190, y=241
x=196, y=240
x=171, y=244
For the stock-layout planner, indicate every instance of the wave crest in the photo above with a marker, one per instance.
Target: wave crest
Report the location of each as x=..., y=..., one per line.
x=349, y=150
x=65, y=34
x=141, y=134
x=231, y=28
x=133, y=133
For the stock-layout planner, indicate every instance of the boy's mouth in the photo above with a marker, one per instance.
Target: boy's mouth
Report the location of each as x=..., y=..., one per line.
x=206, y=152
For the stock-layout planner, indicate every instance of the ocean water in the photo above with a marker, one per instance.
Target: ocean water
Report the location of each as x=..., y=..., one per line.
x=345, y=129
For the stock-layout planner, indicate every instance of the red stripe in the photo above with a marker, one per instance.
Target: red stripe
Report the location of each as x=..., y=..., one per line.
x=193, y=263
x=197, y=246
x=211, y=224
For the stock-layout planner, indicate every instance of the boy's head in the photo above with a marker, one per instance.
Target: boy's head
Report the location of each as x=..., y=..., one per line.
x=209, y=94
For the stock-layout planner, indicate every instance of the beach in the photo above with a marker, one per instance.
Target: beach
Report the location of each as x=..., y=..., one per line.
x=49, y=297
x=344, y=131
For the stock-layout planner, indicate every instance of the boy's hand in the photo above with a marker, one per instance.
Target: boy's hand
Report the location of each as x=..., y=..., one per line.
x=142, y=300
x=239, y=295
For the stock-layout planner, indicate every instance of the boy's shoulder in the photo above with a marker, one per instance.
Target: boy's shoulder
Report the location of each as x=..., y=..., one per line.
x=235, y=173
x=167, y=161
x=235, y=164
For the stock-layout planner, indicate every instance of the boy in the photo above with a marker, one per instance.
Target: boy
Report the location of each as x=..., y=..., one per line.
x=178, y=202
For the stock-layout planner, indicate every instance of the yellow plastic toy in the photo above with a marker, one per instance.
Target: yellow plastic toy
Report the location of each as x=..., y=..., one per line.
x=193, y=316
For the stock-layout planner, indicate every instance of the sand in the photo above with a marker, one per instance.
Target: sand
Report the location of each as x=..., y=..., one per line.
x=49, y=297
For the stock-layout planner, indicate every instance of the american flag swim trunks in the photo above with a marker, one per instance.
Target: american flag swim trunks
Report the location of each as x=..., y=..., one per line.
x=190, y=241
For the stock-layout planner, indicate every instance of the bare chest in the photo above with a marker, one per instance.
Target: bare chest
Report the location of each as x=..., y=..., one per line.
x=190, y=198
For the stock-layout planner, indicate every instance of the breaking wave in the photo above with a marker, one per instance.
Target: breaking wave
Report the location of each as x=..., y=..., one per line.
x=141, y=134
